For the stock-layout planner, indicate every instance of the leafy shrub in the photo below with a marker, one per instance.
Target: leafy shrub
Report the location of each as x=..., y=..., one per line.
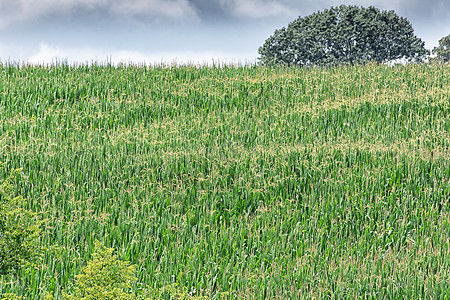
x=19, y=228
x=104, y=277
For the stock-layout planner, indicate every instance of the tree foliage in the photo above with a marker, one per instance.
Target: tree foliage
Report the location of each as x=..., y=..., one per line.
x=19, y=229
x=443, y=50
x=104, y=277
x=343, y=35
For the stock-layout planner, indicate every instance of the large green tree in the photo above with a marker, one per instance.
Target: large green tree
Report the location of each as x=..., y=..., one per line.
x=344, y=35
x=443, y=50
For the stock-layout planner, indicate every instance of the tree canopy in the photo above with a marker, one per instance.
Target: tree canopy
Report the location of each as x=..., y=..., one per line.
x=343, y=35
x=443, y=50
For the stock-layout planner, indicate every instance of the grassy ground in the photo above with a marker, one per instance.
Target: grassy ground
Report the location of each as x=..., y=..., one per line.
x=263, y=182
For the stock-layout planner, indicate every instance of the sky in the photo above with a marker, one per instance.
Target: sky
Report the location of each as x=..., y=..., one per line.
x=173, y=31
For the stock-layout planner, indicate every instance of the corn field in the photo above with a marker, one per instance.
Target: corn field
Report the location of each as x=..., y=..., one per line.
x=263, y=182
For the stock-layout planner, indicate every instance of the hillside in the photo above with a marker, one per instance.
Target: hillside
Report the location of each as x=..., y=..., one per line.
x=261, y=182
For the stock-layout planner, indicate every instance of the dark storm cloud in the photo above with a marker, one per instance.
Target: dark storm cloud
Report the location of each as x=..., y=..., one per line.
x=430, y=18
x=196, y=10
x=19, y=11
x=28, y=10
x=268, y=8
x=208, y=10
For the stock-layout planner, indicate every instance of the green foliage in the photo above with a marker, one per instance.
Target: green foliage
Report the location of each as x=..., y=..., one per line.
x=19, y=228
x=343, y=35
x=442, y=51
x=104, y=277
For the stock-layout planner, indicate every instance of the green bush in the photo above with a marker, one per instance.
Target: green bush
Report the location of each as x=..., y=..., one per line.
x=19, y=228
x=104, y=277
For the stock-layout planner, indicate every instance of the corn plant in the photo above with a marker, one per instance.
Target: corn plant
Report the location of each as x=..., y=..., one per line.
x=244, y=181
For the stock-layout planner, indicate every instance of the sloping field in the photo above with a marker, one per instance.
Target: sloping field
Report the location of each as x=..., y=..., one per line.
x=267, y=183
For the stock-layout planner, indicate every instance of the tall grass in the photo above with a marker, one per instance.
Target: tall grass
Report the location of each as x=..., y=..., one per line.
x=262, y=182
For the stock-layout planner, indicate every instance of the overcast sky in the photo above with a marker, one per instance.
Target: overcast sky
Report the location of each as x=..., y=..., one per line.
x=167, y=31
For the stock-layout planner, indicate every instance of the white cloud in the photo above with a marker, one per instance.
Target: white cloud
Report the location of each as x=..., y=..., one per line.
x=49, y=54
x=13, y=11
x=257, y=8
